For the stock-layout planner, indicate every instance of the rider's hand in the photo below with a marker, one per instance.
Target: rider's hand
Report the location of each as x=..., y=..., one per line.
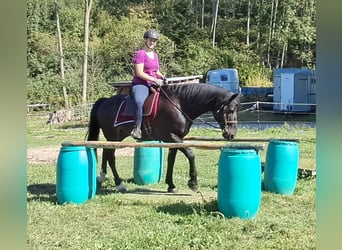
x=158, y=82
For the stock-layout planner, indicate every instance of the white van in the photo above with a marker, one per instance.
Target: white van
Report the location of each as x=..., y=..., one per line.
x=224, y=78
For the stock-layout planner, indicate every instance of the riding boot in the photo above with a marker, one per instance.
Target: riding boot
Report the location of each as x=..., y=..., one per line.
x=136, y=132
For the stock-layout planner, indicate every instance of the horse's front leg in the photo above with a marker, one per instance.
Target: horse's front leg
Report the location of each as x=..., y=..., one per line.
x=109, y=156
x=169, y=173
x=192, y=183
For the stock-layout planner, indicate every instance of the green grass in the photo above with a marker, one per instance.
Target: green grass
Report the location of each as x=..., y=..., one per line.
x=147, y=217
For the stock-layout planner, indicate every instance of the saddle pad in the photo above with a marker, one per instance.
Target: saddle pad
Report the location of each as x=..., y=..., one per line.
x=128, y=106
x=120, y=118
x=126, y=111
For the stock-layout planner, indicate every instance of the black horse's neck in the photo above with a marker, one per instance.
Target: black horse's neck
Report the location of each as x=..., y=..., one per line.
x=197, y=98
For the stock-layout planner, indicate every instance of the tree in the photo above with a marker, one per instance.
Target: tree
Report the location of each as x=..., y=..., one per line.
x=271, y=29
x=61, y=55
x=88, y=6
x=216, y=6
x=248, y=21
x=277, y=34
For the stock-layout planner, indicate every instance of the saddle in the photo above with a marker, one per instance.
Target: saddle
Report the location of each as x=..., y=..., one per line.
x=126, y=111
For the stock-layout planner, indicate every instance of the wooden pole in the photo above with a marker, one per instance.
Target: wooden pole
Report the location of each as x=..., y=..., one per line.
x=116, y=144
x=111, y=144
x=207, y=143
x=240, y=139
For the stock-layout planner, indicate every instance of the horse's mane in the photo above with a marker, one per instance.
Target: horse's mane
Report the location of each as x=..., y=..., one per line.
x=199, y=91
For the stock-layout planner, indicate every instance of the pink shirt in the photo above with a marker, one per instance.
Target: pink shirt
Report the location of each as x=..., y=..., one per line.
x=151, y=66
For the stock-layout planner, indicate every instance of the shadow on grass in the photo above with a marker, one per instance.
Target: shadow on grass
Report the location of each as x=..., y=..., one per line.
x=182, y=208
x=74, y=126
x=108, y=189
x=42, y=192
x=70, y=125
x=146, y=191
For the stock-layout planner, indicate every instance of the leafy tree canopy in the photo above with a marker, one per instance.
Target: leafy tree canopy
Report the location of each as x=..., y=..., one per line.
x=279, y=34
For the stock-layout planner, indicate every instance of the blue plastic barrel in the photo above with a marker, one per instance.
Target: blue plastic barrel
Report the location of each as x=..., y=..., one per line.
x=239, y=183
x=148, y=164
x=92, y=163
x=75, y=174
x=281, y=166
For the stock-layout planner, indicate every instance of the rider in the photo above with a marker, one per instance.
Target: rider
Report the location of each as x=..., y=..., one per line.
x=146, y=74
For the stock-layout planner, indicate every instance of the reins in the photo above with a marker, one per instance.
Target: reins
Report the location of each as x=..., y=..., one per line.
x=175, y=104
x=187, y=117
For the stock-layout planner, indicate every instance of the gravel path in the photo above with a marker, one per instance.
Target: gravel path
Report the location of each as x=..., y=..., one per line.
x=50, y=154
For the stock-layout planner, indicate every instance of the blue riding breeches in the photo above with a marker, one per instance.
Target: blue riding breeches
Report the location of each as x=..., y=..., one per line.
x=140, y=93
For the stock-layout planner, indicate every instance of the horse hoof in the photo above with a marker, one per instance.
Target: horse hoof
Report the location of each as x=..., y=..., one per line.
x=121, y=188
x=193, y=187
x=172, y=190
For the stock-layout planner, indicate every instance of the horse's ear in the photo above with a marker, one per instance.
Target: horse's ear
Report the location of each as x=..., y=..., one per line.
x=235, y=97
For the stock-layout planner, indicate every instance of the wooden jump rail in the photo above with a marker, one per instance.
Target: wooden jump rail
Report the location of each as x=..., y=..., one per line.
x=107, y=144
x=200, y=145
x=219, y=143
x=240, y=139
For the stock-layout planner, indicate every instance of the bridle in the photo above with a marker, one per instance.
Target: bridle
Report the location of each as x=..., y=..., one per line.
x=223, y=108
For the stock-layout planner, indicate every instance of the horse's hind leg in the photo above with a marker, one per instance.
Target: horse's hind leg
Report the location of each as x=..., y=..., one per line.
x=109, y=155
x=169, y=173
x=103, y=172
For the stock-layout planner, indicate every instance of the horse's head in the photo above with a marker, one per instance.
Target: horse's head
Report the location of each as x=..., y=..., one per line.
x=226, y=116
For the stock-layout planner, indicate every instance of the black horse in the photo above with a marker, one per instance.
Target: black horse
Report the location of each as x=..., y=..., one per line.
x=178, y=107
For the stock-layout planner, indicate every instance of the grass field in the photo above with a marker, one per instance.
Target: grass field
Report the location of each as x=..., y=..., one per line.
x=147, y=217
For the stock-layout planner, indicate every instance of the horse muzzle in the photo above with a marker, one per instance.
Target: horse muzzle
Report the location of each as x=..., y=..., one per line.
x=228, y=136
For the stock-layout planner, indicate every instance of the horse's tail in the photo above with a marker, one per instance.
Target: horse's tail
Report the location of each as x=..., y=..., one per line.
x=94, y=126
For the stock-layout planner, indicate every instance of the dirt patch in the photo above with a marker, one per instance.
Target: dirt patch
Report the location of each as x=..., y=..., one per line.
x=40, y=155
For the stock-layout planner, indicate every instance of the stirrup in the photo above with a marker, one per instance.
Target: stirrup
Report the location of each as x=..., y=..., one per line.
x=136, y=133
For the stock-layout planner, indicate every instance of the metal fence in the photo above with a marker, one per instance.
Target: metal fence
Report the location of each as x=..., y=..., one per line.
x=252, y=114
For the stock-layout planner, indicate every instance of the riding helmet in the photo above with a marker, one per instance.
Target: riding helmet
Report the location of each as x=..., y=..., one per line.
x=151, y=34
